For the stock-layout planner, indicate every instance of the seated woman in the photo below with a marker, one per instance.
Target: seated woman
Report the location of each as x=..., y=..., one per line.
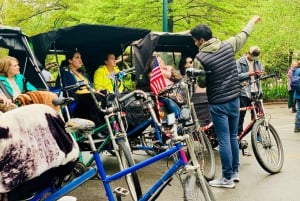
x=168, y=73
x=10, y=76
x=72, y=73
x=105, y=74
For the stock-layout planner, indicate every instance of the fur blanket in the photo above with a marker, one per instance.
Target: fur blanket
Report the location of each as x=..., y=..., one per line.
x=42, y=97
x=33, y=140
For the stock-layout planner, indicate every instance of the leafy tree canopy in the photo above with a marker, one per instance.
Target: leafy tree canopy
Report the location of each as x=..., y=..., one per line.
x=277, y=34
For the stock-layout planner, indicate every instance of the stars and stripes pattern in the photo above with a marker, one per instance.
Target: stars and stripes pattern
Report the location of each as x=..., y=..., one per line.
x=157, y=81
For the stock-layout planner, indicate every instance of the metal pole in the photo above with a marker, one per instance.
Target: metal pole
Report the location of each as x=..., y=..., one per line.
x=165, y=15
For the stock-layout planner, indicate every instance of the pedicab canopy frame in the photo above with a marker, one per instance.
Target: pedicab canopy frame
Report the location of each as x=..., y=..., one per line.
x=160, y=42
x=93, y=41
x=17, y=44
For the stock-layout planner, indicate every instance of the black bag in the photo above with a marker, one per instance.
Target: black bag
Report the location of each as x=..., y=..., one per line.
x=136, y=112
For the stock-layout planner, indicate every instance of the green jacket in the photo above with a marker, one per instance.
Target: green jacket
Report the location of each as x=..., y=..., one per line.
x=20, y=82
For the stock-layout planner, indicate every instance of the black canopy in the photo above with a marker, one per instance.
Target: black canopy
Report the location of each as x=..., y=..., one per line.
x=93, y=41
x=13, y=39
x=162, y=42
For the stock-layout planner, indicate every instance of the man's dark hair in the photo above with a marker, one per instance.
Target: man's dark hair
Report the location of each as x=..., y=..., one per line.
x=201, y=31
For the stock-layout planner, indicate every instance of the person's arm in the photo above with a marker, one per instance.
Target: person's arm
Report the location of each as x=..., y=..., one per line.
x=5, y=101
x=242, y=74
x=240, y=39
x=98, y=80
x=101, y=81
x=201, y=79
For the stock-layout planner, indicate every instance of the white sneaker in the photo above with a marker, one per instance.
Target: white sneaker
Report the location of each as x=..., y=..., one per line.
x=222, y=183
x=235, y=177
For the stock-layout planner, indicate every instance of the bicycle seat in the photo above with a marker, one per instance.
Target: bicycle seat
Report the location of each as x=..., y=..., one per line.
x=78, y=124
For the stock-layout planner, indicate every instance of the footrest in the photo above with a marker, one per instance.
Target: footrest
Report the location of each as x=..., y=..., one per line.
x=121, y=191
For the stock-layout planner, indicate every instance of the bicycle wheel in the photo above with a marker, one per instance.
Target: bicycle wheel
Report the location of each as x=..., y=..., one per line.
x=132, y=179
x=267, y=146
x=204, y=154
x=197, y=189
x=148, y=140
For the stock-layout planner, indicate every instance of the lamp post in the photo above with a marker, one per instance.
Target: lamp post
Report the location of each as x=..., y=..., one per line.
x=165, y=15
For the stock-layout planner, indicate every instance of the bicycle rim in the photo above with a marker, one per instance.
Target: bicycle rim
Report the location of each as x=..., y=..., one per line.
x=205, y=155
x=148, y=140
x=267, y=146
x=196, y=189
x=132, y=179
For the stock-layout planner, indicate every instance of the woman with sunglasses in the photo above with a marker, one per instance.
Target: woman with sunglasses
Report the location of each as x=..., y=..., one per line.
x=185, y=62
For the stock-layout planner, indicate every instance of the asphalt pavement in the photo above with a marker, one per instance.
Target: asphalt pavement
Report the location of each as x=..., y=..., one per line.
x=255, y=185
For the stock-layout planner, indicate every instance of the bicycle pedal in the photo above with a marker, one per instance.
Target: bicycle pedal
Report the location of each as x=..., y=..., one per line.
x=243, y=144
x=121, y=191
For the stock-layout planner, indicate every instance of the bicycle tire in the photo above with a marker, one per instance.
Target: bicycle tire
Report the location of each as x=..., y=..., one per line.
x=197, y=189
x=267, y=146
x=132, y=179
x=205, y=154
x=78, y=170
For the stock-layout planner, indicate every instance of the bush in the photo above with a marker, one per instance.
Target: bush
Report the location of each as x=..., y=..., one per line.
x=275, y=88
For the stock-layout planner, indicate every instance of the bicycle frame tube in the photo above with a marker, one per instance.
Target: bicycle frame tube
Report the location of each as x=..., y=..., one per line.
x=181, y=162
x=258, y=111
x=144, y=124
x=71, y=185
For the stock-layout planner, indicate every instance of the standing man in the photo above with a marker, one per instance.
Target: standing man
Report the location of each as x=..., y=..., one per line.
x=223, y=92
x=249, y=68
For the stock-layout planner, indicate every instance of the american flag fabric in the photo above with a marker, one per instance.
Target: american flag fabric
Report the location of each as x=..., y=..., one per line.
x=157, y=81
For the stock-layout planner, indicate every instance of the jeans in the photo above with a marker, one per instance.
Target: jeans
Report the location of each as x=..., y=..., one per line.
x=291, y=100
x=297, y=119
x=225, y=118
x=172, y=107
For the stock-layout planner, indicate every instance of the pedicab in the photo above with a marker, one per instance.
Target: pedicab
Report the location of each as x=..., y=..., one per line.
x=174, y=47
x=26, y=131
x=93, y=42
x=14, y=42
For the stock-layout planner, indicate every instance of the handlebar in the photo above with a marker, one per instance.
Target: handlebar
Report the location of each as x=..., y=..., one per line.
x=62, y=101
x=77, y=85
x=195, y=72
x=267, y=76
x=134, y=93
x=263, y=78
x=120, y=75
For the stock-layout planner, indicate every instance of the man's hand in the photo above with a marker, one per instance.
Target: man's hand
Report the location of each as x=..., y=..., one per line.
x=255, y=19
x=259, y=73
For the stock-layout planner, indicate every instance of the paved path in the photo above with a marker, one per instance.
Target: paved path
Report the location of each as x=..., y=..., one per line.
x=255, y=184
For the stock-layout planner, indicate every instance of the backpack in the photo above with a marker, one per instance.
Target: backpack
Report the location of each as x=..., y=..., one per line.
x=295, y=82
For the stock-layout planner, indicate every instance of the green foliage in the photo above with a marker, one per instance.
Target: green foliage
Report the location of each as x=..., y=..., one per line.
x=277, y=34
x=275, y=88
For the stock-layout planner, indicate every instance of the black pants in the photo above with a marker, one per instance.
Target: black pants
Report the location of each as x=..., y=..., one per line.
x=86, y=108
x=244, y=102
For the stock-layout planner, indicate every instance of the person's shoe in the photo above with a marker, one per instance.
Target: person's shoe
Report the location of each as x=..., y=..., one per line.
x=222, y=183
x=235, y=177
x=296, y=130
x=294, y=109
